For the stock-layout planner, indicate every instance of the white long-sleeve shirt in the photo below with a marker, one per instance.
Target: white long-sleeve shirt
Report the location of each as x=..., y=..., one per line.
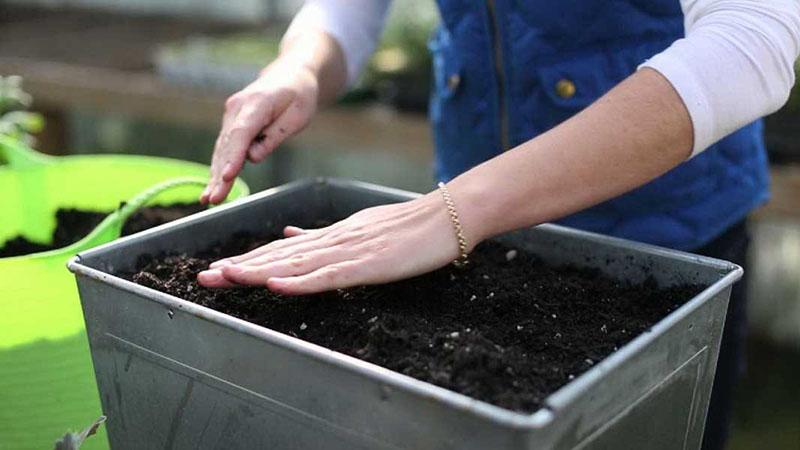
x=734, y=65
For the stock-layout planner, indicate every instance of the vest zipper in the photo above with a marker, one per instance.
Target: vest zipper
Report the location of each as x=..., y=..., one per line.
x=500, y=74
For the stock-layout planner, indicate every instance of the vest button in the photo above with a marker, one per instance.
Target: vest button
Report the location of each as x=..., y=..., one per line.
x=453, y=81
x=565, y=88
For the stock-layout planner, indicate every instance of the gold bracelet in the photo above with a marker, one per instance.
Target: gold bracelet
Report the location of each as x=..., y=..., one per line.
x=463, y=258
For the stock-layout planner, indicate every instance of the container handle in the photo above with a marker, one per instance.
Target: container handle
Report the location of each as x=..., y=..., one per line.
x=17, y=155
x=111, y=227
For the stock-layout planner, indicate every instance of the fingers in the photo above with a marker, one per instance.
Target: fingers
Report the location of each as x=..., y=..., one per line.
x=241, y=124
x=214, y=279
x=232, y=106
x=292, y=120
x=257, y=147
x=272, y=248
x=297, y=264
x=294, y=237
x=335, y=276
x=291, y=231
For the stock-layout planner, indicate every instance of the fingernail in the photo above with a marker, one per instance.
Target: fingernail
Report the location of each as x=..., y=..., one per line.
x=208, y=276
x=257, y=153
x=291, y=231
x=275, y=283
x=216, y=195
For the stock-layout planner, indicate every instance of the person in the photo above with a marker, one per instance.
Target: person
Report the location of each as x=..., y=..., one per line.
x=634, y=118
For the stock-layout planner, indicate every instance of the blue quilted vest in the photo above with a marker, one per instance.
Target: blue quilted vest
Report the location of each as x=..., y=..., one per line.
x=507, y=70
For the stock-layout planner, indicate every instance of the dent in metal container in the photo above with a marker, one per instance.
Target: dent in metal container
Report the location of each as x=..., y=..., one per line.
x=173, y=374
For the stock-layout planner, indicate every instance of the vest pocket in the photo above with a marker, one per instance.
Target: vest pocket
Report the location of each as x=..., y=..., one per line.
x=568, y=87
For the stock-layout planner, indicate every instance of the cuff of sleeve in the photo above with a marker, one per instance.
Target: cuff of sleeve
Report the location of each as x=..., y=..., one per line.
x=314, y=16
x=690, y=90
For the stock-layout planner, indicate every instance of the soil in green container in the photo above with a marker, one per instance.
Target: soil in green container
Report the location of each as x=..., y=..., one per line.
x=508, y=329
x=74, y=224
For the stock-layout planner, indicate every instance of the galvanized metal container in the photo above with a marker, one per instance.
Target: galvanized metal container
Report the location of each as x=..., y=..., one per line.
x=173, y=374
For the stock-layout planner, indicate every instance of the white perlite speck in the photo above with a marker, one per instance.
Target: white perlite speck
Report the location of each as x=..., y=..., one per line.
x=303, y=326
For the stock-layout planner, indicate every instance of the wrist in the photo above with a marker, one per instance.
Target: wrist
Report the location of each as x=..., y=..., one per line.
x=319, y=55
x=480, y=208
x=464, y=215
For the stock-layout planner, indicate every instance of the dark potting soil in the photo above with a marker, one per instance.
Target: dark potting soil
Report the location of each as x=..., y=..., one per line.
x=508, y=329
x=74, y=224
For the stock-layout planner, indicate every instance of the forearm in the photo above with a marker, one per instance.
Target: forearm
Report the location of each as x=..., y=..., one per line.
x=337, y=36
x=636, y=132
x=319, y=52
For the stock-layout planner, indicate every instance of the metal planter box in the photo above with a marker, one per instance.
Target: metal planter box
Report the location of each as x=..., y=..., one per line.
x=173, y=374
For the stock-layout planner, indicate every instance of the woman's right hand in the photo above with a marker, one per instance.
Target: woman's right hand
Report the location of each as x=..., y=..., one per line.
x=258, y=118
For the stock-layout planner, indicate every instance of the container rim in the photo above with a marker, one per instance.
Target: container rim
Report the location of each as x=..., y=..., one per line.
x=516, y=420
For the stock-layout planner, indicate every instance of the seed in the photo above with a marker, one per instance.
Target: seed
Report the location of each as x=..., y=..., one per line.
x=373, y=319
x=472, y=299
x=555, y=316
x=604, y=329
x=454, y=335
x=519, y=327
x=511, y=254
x=588, y=361
x=303, y=326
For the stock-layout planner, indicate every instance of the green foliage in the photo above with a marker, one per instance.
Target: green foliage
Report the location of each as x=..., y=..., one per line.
x=15, y=121
x=404, y=46
x=238, y=49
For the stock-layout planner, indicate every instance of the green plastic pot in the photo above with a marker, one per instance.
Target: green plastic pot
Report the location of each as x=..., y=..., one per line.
x=47, y=384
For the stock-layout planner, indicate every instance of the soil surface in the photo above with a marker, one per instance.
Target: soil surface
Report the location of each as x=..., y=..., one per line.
x=507, y=329
x=74, y=224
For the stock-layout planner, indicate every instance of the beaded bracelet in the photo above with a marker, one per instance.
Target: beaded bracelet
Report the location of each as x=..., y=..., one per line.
x=463, y=258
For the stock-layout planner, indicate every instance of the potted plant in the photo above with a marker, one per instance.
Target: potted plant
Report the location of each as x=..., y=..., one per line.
x=174, y=373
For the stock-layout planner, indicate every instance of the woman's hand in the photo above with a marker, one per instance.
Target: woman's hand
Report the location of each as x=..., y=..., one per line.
x=259, y=118
x=376, y=245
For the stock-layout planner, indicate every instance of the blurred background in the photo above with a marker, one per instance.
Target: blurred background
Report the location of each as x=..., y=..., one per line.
x=150, y=77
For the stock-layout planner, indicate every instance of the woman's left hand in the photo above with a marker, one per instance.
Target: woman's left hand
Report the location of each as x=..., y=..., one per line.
x=377, y=245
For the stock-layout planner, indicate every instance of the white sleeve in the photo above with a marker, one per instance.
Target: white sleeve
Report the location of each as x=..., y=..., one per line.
x=355, y=24
x=735, y=64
